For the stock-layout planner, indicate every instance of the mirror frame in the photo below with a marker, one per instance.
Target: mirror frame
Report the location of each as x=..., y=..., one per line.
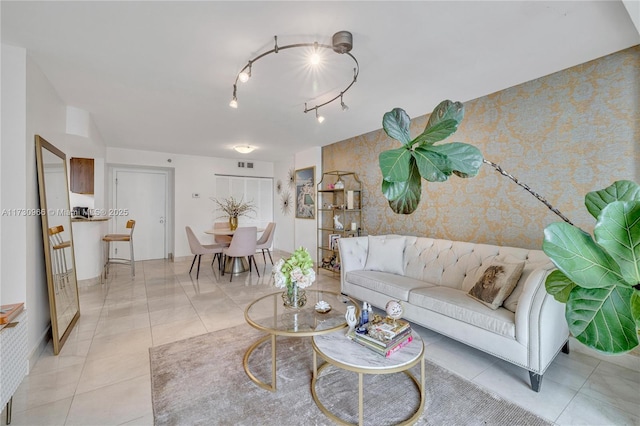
x=58, y=336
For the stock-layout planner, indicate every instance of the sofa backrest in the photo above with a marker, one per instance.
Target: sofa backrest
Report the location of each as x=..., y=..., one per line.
x=455, y=263
x=444, y=262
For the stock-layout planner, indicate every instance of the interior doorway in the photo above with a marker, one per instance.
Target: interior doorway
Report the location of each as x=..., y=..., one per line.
x=142, y=194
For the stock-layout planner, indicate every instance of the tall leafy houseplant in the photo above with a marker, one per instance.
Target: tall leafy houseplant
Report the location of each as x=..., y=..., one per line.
x=599, y=278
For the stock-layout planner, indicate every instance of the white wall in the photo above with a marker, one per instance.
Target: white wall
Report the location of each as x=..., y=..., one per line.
x=30, y=106
x=192, y=174
x=13, y=193
x=306, y=234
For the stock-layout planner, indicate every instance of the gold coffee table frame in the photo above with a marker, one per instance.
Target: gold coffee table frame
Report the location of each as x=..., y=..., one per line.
x=358, y=355
x=282, y=321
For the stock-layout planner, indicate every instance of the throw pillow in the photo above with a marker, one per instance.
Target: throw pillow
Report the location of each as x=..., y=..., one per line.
x=496, y=282
x=385, y=255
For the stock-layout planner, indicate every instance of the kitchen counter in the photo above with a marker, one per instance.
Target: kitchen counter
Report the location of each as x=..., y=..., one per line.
x=88, y=246
x=91, y=219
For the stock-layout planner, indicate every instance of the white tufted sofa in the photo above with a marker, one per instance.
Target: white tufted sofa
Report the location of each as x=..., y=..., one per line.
x=528, y=330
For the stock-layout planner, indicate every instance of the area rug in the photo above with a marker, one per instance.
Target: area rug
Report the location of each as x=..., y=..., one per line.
x=201, y=381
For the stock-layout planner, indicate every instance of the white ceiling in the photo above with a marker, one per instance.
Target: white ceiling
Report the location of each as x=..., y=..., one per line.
x=158, y=75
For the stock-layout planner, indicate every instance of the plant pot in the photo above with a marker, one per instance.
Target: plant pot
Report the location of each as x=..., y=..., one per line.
x=294, y=297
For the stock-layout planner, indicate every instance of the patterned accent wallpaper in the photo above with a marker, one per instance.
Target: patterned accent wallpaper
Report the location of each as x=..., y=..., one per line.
x=564, y=134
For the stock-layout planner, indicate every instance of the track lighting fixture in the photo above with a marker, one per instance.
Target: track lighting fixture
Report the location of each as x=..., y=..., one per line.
x=342, y=43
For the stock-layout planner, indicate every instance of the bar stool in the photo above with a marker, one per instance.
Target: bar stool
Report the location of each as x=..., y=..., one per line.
x=59, y=261
x=115, y=238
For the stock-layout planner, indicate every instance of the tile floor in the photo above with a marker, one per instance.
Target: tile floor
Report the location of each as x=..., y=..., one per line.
x=101, y=376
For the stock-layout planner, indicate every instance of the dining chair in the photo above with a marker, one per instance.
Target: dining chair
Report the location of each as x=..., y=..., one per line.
x=222, y=239
x=243, y=244
x=265, y=241
x=198, y=249
x=115, y=238
x=59, y=261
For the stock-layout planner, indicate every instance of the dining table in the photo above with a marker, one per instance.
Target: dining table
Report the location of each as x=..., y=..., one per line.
x=238, y=264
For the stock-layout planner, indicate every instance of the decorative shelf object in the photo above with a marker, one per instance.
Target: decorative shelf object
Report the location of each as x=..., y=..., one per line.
x=339, y=215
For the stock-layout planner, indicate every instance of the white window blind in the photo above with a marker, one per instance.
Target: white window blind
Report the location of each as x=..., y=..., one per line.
x=258, y=190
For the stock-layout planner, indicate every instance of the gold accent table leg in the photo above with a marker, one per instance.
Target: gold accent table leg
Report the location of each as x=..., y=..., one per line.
x=360, y=400
x=273, y=361
x=418, y=383
x=245, y=362
x=315, y=365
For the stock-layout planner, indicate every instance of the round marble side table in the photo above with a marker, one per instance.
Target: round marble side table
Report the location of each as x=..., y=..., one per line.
x=336, y=349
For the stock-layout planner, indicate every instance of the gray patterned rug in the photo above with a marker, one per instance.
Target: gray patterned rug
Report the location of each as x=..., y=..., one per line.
x=200, y=381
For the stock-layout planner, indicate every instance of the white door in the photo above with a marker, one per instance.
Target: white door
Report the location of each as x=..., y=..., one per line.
x=143, y=193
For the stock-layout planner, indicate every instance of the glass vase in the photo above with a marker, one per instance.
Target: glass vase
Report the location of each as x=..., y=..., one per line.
x=294, y=297
x=233, y=222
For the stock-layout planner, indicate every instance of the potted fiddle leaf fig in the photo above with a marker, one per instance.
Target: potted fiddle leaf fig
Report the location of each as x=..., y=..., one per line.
x=420, y=157
x=599, y=278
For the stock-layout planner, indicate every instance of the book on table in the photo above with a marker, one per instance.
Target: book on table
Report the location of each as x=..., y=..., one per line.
x=387, y=329
x=380, y=350
x=383, y=344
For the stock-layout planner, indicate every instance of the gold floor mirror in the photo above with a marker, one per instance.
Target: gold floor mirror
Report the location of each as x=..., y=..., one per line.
x=59, y=257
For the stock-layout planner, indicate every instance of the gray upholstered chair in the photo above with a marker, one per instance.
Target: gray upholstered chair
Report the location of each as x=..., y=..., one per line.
x=198, y=249
x=265, y=241
x=243, y=244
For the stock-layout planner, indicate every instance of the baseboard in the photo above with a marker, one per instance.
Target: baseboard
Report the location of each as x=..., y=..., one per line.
x=89, y=282
x=39, y=348
x=630, y=360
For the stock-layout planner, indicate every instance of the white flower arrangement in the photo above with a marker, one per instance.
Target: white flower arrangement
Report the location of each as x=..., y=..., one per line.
x=296, y=269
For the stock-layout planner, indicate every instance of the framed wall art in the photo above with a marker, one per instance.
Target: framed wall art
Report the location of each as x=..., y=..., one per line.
x=305, y=180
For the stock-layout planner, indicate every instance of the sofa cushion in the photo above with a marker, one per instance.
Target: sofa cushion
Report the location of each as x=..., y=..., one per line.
x=385, y=254
x=495, y=282
x=395, y=286
x=456, y=304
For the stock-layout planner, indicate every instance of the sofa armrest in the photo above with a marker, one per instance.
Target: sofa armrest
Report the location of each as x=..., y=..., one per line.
x=540, y=321
x=353, y=254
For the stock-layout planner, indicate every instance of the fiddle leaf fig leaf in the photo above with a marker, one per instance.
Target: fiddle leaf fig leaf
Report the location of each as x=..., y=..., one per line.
x=433, y=166
x=575, y=253
x=465, y=160
x=402, y=168
x=622, y=190
x=618, y=232
x=436, y=133
x=446, y=110
x=396, y=124
x=404, y=197
x=559, y=286
x=394, y=164
x=601, y=318
x=635, y=307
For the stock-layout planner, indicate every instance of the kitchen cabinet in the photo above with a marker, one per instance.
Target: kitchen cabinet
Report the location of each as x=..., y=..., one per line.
x=81, y=175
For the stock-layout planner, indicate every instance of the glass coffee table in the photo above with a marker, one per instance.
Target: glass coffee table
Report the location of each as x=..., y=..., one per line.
x=269, y=314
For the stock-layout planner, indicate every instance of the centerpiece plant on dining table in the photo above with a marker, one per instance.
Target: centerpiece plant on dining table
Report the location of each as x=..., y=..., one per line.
x=234, y=208
x=294, y=273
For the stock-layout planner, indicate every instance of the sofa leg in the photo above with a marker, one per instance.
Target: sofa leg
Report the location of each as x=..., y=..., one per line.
x=536, y=381
x=565, y=348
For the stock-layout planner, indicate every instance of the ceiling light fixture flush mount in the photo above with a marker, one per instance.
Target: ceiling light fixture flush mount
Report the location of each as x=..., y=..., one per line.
x=244, y=149
x=342, y=43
